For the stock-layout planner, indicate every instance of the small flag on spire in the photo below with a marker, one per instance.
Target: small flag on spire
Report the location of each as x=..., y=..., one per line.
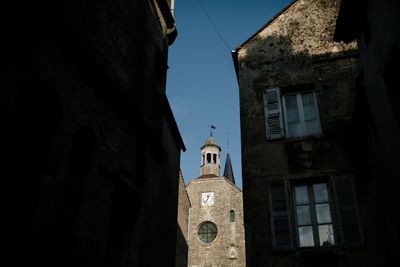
x=212, y=128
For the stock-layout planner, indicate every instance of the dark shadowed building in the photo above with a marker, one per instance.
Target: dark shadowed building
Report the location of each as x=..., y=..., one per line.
x=307, y=193
x=90, y=147
x=376, y=27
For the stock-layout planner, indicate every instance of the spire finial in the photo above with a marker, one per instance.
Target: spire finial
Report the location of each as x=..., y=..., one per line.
x=212, y=128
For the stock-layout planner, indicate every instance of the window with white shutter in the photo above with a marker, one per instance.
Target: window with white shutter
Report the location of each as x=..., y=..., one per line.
x=296, y=116
x=321, y=213
x=273, y=114
x=301, y=114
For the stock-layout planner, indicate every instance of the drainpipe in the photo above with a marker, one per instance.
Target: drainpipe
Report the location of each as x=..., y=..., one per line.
x=188, y=231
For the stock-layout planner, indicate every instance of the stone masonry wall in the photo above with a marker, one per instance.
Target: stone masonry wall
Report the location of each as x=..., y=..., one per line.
x=228, y=249
x=296, y=49
x=183, y=219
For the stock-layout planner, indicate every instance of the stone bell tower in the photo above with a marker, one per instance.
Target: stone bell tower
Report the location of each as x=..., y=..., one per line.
x=210, y=157
x=215, y=225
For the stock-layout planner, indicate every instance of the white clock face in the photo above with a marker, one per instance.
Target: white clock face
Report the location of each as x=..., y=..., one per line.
x=207, y=199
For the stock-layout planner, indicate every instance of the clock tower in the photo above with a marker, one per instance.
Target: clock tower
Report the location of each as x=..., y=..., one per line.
x=216, y=230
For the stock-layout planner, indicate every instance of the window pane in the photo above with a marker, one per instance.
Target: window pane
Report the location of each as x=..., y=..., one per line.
x=212, y=229
x=294, y=129
x=301, y=193
x=306, y=236
x=320, y=192
x=202, y=229
x=203, y=237
x=326, y=237
x=312, y=127
x=291, y=101
x=292, y=113
x=323, y=213
x=309, y=107
x=303, y=215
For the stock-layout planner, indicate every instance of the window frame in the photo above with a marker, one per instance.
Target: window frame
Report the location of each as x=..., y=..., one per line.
x=313, y=214
x=232, y=216
x=300, y=109
x=208, y=232
x=344, y=210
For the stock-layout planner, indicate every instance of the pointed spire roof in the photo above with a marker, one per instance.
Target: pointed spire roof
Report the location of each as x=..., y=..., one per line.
x=228, y=172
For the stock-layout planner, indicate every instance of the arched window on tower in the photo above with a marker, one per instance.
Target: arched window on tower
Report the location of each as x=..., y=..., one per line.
x=208, y=158
x=214, y=158
x=232, y=217
x=203, y=160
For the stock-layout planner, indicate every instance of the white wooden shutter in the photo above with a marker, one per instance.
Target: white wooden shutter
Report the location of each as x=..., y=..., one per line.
x=273, y=114
x=281, y=225
x=349, y=225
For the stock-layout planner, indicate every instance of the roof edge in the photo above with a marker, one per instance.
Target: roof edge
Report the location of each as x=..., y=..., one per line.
x=235, y=64
x=264, y=26
x=232, y=184
x=218, y=178
x=184, y=187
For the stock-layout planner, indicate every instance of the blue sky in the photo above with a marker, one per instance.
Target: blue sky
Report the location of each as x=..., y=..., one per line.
x=201, y=82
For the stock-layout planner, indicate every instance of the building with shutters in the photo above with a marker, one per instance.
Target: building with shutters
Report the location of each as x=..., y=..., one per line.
x=216, y=231
x=90, y=147
x=305, y=201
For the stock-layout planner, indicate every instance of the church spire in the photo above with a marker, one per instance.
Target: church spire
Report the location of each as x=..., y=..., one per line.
x=228, y=172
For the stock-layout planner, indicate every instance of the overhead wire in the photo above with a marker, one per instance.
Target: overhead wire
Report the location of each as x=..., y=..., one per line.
x=214, y=26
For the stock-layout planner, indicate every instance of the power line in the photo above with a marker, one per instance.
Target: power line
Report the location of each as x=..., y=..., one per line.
x=214, y=26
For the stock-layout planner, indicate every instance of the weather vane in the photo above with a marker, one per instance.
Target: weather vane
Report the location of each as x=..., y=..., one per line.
x=212, y=128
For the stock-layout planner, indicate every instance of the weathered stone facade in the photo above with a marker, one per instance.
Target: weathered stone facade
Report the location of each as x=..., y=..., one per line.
x=300, y=129
x=182, y=231
x=90, y=148
x=226, y=212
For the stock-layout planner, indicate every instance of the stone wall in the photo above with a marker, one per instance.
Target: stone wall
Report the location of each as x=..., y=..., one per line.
x=295, y=52
x=183, y=220
x=228, y=248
